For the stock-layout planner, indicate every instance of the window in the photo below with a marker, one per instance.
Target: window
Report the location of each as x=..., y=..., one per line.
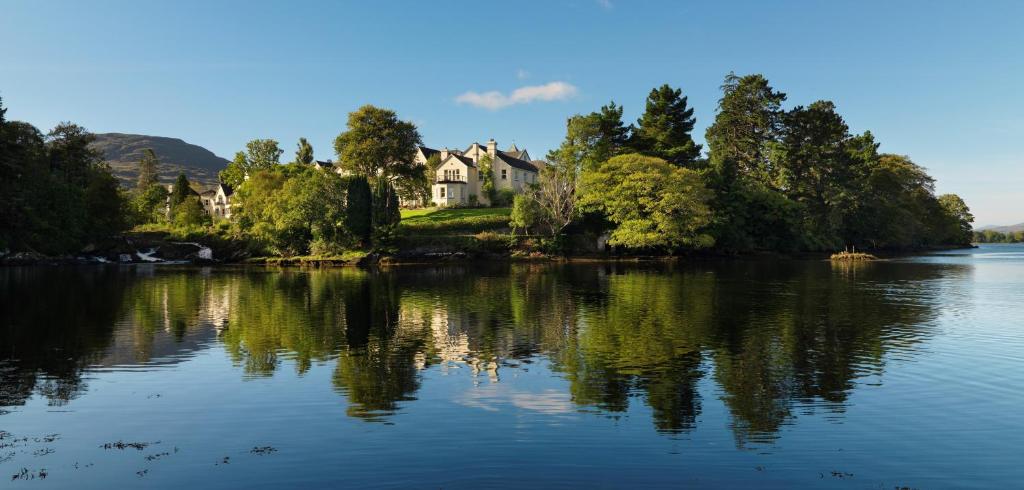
x=515, y=175
x=504, y=174
x=441, y=191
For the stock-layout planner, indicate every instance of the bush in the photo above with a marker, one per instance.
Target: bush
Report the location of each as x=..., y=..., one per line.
x=503, y=198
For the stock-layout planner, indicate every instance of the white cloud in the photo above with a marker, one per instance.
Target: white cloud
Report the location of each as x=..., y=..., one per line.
x=495, y=100
x=605, y=3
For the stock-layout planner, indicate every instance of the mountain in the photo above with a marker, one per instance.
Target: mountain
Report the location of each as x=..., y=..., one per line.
x=123, y=152
x=1002, y=229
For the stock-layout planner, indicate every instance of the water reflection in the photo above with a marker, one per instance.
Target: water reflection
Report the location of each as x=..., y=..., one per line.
x=774, y=338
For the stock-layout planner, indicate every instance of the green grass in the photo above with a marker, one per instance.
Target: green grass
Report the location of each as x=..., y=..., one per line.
x=436, y=215
x=454, y=220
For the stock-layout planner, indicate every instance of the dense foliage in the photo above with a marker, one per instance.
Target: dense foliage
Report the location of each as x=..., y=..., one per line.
x=57, y=195
x=774, y=179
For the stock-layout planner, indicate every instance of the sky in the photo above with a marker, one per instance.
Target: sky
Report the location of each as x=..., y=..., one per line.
x=940, y=81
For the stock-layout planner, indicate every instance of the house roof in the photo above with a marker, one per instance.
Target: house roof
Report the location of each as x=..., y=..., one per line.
x=512, y=149
x=428, y=152
x=323, y=163
x=228, y=191
x=443, y=181
x=516, y=162
x=468, y=161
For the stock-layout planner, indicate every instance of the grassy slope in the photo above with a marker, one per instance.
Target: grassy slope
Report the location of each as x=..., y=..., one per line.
x=438, y=215
x=457, y=228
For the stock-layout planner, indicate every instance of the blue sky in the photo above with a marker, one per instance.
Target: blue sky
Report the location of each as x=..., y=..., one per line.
x=939, y=81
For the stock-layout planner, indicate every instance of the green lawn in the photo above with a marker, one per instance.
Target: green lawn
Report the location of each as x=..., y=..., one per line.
x=454, y=220
x=437, y=215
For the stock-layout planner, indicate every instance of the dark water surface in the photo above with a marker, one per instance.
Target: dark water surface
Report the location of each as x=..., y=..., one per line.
x=712, y=374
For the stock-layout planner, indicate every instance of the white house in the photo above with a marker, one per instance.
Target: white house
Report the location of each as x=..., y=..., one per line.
x=458, y=180
x=217, y=201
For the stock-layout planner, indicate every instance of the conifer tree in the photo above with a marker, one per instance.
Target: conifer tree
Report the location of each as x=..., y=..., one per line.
x=664, y=129
x=147, y=170
x=304, y=153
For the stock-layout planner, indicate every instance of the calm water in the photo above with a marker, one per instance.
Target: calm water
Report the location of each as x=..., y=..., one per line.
x=718, y=374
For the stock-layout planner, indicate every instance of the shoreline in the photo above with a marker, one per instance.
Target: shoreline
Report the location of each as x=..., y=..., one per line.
x=374, y=259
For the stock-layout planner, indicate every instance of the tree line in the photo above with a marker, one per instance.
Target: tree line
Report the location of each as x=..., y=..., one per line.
x=57, y=194
x=771, y=179
x=993, y=236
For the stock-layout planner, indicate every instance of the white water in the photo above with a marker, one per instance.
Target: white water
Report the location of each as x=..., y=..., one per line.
x=205, y=252
x=147, y=256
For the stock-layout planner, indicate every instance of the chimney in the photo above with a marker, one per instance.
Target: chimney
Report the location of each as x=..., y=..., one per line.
x=492, y=148
x=444, y=154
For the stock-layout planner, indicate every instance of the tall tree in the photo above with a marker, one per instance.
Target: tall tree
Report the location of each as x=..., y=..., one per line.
x=147, y=170
x=750, y=213
x=70, y=154
x=813, y=168
x=591, y=139
x=304, y=153
x=262, y=154
x=746, y=127
x=664, y=128
x=378, y=145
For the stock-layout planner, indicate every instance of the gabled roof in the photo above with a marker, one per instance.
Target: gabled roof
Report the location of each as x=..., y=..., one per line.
x=228, y=191
x=468, y=161
x=323, y=163
x=512, y=149
x=428, y=152
x=515, y=162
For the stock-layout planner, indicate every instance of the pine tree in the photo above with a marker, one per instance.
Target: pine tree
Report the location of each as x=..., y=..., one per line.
x=664, y=129
x=147, y=170
x=180, y=191
x=304, y=153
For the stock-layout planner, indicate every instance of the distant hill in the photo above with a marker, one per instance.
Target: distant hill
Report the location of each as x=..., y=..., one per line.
x=1003, y=229
x=123, y=152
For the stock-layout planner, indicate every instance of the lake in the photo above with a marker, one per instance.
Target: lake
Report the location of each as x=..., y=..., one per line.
x=732, y=373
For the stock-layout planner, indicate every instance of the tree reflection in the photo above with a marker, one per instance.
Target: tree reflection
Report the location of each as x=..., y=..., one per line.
x=53, y=323
x=771, y=337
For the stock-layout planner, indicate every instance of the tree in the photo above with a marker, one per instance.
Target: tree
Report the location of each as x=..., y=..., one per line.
x=149, y=205
x=234, y=174
x=747, y=125
x=70, y=154
x=262, y=154
x=378, y=145
x=180, y=191
x=741, y=142
x=653, y=203
x=526, y=214
x=958, y=229
x=664, y=128
x=486, y=173
x=189, y=213
x=359, y=209
x=386, y=215
x=555, y=195
x=304, y=153
x=147, y=170
x=813, y=167
x=591, y=139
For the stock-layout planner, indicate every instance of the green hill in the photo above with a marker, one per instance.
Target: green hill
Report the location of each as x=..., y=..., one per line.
x=123, y=152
